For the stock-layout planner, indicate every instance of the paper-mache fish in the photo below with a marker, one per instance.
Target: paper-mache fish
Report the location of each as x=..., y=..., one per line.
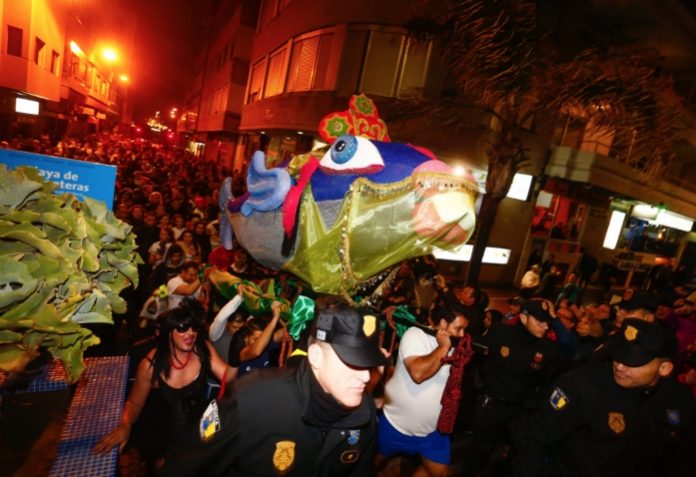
x=336, y=218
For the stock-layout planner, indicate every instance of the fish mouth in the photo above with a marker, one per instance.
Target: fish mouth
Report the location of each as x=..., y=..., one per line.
x=444, y=208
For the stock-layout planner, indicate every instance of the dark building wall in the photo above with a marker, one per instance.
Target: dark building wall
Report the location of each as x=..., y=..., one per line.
x=300, y=16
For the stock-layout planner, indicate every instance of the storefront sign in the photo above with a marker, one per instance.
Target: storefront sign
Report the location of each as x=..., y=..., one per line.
x=80, y=178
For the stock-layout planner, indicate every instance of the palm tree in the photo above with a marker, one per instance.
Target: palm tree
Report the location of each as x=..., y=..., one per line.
x=504, y=66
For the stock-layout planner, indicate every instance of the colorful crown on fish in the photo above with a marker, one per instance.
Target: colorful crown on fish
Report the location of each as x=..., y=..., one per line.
x=360, y=119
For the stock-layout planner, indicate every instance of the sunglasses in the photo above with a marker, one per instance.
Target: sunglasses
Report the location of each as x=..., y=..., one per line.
x=184, y=326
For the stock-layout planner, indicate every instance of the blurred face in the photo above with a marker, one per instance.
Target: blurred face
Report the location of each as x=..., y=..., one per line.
x=683, y=307
x=345, y=383
x=178, y=221
x=183, y=337
x=137, y=212
x=187, y=237
x=583, y=326
x=602, y=312
x=466, y=296
x=457, y=327
x=639, y=314
x=189, y=275
x=641, y=376
x=566, y=316
x=200, y=228
x=662, y=312
x=515, y=308
x=163, y=235
x=150, y=220
x=234, y=325
x=534, y=326
x=175, y=258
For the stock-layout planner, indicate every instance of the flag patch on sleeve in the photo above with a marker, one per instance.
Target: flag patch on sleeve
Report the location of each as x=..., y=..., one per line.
x=558, y=399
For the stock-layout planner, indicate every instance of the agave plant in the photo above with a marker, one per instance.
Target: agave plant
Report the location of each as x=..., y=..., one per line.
x=63, y=263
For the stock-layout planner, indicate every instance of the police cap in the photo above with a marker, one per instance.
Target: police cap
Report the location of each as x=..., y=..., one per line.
x=639, y=342
x=353, y=334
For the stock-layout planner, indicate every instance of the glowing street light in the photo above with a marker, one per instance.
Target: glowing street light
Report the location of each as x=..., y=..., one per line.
x=109, y=54
x=124, y=78
x=75, y=48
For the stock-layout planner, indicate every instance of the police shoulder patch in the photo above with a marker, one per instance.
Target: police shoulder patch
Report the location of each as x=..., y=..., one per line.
x=558, y=399
x=209, y=424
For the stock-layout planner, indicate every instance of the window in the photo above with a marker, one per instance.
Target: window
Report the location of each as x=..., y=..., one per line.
x=55, y=57
x=415, y=65
x=394, y=64
x=309, y=63
x=240, y=71
x=14, y=41
x=74, y=65
x=250, y=13
x=381, y=62
x=256, y=81
x=276, y=73
x=38, y=51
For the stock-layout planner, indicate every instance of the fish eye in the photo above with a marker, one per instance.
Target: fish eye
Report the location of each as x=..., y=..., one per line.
x=352, y=155
x=344, y=149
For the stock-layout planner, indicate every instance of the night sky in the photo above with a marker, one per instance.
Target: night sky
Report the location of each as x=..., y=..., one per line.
x=165, y=41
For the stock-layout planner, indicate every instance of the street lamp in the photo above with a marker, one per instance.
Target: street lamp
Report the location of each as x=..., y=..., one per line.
x=110, y=54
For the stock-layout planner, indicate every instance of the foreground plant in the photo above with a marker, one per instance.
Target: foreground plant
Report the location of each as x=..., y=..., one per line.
x=63, y=263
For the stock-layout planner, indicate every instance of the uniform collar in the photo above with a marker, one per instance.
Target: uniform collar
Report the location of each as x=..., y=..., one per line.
x=358, y=418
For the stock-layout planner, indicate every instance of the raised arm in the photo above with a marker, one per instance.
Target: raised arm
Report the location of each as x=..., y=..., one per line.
x=424, y=367
x=254, y=351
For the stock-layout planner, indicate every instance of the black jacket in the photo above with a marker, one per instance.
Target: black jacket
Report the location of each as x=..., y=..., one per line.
x=590, y=426
x=518, y=364
x=266, y=431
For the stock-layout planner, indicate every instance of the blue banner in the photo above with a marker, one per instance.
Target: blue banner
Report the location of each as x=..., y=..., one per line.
x=80, y=178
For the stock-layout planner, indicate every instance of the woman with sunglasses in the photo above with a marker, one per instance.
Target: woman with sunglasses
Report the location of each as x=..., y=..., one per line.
x=170, y=388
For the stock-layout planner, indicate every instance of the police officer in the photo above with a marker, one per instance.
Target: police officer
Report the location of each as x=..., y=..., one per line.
x=623, y=418
x=521, y=360
x=314, y=420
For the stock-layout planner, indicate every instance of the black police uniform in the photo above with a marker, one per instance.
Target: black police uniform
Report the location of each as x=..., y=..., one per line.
x=590, y=426
x=518, y=364
x=267, y=429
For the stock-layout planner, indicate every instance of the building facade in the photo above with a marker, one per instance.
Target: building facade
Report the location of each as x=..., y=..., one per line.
x=54, y=77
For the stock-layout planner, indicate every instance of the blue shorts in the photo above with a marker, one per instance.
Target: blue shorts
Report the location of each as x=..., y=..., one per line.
x=435, y=446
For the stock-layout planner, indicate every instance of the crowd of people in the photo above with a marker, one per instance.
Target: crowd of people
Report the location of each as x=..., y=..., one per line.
x=546, y=384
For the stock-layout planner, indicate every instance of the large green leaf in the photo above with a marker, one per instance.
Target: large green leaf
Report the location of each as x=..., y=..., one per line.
x=15, y=187
x=62, y=263
x=16, y=283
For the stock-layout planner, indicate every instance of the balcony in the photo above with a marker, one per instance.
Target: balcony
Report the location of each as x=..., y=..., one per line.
x=591, y=167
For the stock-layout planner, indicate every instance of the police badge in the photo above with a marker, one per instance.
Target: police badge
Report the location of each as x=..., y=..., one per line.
x=617, y=423
x=284, y=456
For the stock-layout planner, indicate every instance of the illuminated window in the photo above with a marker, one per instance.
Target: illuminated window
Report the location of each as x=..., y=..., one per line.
x=276, y=73
x=39, y=51
x=14, y=41
x=256, y=81
x=611, y=238
x=309, y=63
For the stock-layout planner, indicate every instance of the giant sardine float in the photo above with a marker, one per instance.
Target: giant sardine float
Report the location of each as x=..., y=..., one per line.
x=337, y=218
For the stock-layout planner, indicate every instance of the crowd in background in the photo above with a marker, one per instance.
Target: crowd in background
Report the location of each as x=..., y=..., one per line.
x=170, y=197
